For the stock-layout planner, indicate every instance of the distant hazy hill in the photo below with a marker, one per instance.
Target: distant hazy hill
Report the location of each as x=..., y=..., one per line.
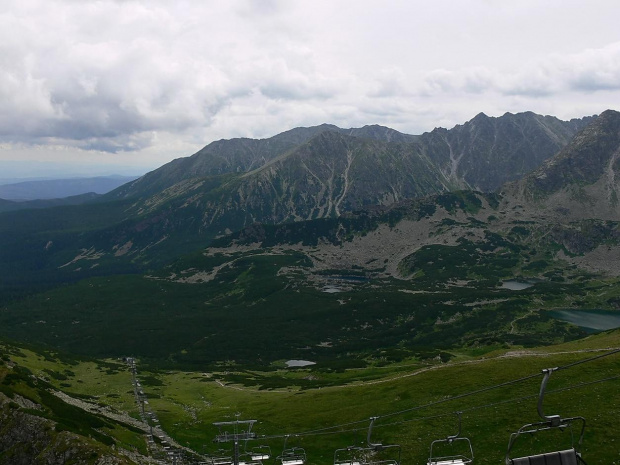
x=60, y=188
x=14, y=205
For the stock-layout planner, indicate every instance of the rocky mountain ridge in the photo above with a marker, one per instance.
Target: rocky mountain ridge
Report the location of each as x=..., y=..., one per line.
x=303, y=174
x=231, y=184
x=582, y=180
x=480, y=154
x=486, y=152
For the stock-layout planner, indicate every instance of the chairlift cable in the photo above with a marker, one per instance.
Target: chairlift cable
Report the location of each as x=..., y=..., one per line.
x=328, y=430
x=497, y=386
x=506, y=401
x=479, y=407
x=461, y=396
x=579, y=362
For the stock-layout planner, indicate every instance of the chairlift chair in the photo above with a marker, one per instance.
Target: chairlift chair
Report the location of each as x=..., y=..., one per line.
x=291, y=455
x=248, y=459
x=255, y=455
x=355, y=455
x=352, y=455
x=569, y=456
x=369, y=455
x=467, y=453
x=220, y=457
x=261, y=452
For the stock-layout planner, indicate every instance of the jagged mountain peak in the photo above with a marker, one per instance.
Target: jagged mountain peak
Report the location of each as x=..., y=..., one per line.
x=480, y=117
x=381, y=133
x=485, y=152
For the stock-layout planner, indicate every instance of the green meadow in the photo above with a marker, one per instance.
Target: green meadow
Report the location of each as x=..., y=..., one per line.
x=415, y=402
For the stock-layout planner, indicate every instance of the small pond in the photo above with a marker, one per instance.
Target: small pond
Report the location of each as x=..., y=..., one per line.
x=332, y=289
x=354, y=279
x=590, y=320
x=516, y=285
x=299, y=363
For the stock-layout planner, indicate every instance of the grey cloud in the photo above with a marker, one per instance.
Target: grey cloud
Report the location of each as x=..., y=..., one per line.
x=389, y=83
x=117, y=75
x=288, y=90
x=120, y=143
x=590, y=70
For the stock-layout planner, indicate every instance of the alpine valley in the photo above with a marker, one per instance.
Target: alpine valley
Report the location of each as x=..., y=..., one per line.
x=400, y=270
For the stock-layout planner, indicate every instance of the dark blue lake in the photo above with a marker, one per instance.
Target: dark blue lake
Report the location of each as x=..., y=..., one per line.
x=590, y=320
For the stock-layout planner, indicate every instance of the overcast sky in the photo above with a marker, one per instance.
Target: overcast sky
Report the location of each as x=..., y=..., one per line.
x=137, y=83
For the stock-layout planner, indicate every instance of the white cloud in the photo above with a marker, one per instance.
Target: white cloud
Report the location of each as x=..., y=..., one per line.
x=591, y=70
x=125, y=76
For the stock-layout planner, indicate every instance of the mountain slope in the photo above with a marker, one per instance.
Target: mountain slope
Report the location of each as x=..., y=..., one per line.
x=36, y=426
x=221, y=157
x=485, y=153
x=482, y=153
x=582, y=180
x=336, y=170
x=334, y=173
x=305, y=173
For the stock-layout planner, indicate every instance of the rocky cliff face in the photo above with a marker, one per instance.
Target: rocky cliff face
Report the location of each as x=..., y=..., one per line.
x=485, y=152
x=334, y=173
x=583, y=179
x=27, y=439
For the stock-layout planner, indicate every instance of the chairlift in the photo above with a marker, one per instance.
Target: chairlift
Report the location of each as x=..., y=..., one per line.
x=260, y=452
x=570, y=456
x=241, y=431
x=372, y=454
x=220, y=457
x=291, y=455
x=465, y=456
x=247, y=459
x=238, y=434
x=255, y=455
x=352, y=455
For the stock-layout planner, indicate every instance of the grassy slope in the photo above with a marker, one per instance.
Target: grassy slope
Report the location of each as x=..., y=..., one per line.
x=187, y=403
x=29, y=375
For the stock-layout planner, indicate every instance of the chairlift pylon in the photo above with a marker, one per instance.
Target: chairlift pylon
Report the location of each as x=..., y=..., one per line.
x=467, y=453
x=241, y=431
x=570, y=456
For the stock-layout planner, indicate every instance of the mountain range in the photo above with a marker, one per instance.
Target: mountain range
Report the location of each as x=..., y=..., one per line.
x=301, y=174
x=352, y=248
x=360, y=202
